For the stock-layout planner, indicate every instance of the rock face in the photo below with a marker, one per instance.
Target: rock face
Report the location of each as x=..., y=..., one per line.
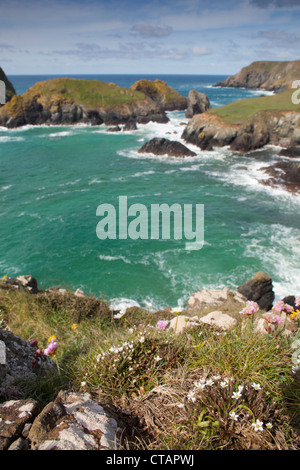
x=10, y=91
x=73, y=421
x=273, y=76
x=164, y=96
x=286, y=173
x=71, y=101
x=259, y=289
x=213, y=297
x=197, y=103
x=20, y=363
x=208, y=131
x=161, y=146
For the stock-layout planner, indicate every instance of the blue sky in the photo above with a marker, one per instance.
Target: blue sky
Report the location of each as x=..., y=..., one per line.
x=145, y=36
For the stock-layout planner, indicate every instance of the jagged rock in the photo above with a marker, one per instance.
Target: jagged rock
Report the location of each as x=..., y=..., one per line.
x=161, y=146
x=27, y=282
x=21, y=363
x=161, y=94
x=292, y=152
x=114, y=129
x=259, y=289
x=286, y=173
x=14, y=415
x=73, y=422
x=219, y=319
x=130, y=125
x=197, y=103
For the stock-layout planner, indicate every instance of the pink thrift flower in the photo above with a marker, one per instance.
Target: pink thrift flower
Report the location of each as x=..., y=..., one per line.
x=162, y=324
x=297, y=301
x=250, y=309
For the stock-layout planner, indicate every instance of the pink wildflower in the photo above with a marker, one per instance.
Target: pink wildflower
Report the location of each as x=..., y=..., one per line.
x=250, y=309
x=297, y=301
x=162, y=324
x=280, y=306
x=51, y=349
x=273, y=318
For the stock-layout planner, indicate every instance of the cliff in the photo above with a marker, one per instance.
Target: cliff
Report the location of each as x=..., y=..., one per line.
x=272, y=76
x=162, y=94
x=10, y=91
x=247, y=124
x=70, y=101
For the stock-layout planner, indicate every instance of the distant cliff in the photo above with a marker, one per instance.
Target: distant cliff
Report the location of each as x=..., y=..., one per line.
x=70, y=101
x=10, y=91
x=272, y=76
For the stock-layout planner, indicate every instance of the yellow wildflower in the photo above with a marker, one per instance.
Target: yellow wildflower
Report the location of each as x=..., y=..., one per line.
x=74, y=326
x=52, y=339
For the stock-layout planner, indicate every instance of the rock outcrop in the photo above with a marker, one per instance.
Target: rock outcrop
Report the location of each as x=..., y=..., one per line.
x=19, y=361
x=73, y=421
x=285, y=173
x=259, y=289
x=273, y=76
x=163, y=95
x=209, y=130
x=70, y=101
x=162, y=146
x=197, y=103
x=9, y=88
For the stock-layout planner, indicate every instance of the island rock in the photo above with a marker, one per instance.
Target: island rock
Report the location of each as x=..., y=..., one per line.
x=162, y=146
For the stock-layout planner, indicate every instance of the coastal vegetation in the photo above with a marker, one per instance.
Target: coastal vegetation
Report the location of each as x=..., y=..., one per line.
x=198, y=389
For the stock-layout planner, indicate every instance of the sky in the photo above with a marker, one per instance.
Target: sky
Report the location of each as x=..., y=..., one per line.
x=145, y=36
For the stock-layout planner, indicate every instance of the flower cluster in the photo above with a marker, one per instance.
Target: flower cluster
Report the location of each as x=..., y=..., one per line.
x=273, y=318
x=251, y=308
x=280, y=307
x=52, y=346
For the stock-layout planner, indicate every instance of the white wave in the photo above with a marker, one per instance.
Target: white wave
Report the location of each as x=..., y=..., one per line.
x=278, y=247
x=7, y=138
x=115, y=258
x=143, y=173
x=95, y=181
x=5, y=188
x=70, y=183
x=55, y=135
x=122, y=303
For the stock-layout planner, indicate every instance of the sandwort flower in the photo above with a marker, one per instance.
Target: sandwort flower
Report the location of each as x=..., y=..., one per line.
x=258, y=425
x=233, y=415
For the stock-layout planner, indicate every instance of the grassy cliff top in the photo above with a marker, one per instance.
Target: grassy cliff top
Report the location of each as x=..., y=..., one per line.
x=242, y=110
x=160, y=92
x=85, y=92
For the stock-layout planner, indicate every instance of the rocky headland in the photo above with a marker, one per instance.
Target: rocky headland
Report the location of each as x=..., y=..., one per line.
x=266, y=75
x=71, y=101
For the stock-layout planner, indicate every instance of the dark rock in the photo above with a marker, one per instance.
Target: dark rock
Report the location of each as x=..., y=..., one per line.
x=114, y=129
x=285, y=174
x=130, y=125
x=161, y=146
x=197, y=103
x=292, y=152
x=290, y=300
x=259, y=289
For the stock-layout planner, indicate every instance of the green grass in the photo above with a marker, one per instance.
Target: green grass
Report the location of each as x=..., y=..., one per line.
x=147, y=375
x=86, y=92
x=242, y=110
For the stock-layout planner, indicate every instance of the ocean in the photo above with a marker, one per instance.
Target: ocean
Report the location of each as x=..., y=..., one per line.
x=53, y=178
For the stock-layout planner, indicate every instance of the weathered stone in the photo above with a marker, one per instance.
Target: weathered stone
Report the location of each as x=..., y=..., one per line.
x=181, y=322
x=259, y=289
x=14, y=414
x=197, y=103
x=73, y=422
x=213, y=297
x=21, y=363
x=219, y=319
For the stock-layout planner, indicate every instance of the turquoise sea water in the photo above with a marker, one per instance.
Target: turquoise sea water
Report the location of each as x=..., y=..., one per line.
x=52, y=180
